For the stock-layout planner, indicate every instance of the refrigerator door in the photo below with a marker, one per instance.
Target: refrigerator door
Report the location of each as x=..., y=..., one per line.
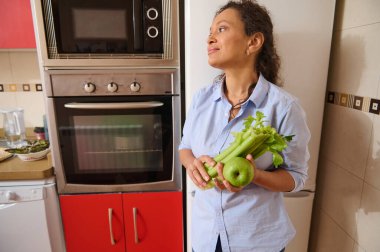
x=299, y=206
x=302, y=30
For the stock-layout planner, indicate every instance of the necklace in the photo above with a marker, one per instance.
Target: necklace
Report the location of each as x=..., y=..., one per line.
x=236, y=107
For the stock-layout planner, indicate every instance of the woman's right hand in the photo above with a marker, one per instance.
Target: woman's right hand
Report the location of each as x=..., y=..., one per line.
x=197, y=171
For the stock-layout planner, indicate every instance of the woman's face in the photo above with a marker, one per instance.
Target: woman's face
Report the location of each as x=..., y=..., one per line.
x=227, y=42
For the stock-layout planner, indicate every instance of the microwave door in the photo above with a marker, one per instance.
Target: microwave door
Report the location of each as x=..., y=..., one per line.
x=95, y=26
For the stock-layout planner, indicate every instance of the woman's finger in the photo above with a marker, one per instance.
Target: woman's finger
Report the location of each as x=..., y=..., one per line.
x=218, y=183
x=219, y=168
x=230, y=187
x=202, y=160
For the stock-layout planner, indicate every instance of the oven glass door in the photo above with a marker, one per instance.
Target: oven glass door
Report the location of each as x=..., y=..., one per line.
x=115, y=140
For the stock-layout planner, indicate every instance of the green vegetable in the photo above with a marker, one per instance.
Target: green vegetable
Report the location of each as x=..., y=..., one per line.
x=31, y=147
x=256, y=140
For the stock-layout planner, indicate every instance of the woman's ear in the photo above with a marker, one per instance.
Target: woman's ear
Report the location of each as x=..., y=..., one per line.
x=255, y=43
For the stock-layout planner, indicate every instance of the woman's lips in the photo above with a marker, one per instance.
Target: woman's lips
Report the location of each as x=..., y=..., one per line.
x=212, y=50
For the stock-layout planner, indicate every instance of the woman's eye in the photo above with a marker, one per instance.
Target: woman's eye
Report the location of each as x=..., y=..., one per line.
x=221, y=29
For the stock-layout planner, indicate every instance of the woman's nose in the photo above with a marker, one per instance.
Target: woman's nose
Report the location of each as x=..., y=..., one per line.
x=210, y=38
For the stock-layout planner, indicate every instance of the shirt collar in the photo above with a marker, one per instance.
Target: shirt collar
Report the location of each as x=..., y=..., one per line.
x=218, y=87
x=257, y=97
x=260, y=91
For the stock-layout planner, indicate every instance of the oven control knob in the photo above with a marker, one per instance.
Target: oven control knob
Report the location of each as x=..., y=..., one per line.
x=112, y=87
x=89, y=87
x=135, y=86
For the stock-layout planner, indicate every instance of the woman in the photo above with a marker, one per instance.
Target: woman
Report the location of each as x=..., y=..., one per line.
x=253, y=218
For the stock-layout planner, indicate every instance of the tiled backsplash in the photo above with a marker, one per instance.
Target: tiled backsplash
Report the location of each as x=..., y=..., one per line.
x=365, y=104
x=21, y=87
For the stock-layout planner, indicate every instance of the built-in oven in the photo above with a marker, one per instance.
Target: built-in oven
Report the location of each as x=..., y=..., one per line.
x=114, y=130
x=107, y=33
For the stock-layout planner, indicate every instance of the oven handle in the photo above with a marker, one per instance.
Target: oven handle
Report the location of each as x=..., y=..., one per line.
x=114, y=105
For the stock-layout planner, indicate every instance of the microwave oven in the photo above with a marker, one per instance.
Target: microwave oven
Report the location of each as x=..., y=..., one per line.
x=103, y=33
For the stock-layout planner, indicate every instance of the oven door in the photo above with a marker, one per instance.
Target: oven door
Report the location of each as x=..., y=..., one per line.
x=116, y=143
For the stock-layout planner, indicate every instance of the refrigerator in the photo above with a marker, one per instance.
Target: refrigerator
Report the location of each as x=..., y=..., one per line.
x=303, y=33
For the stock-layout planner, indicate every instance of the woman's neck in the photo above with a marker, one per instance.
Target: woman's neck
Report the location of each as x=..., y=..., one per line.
x=239, y=86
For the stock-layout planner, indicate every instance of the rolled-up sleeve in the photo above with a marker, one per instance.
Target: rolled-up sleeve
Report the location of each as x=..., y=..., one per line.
x=296, y=155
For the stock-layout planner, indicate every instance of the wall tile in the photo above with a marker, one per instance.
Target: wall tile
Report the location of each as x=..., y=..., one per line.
x=360, y=12
x=368, y=219
x=330, y=238
x=5, y=68
x=372, y=173
x=25, y=67
x=357, y=248
x=34, y=109
x=340, y=197
x=354, y=66
x=346, y=138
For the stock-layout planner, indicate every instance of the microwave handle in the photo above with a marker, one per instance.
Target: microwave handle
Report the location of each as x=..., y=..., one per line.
x=137, y=25
x=114, y=105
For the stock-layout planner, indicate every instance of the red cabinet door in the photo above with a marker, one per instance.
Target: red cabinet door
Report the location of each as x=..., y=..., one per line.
x=16, y=24
x=153, y=221
x=93, y=222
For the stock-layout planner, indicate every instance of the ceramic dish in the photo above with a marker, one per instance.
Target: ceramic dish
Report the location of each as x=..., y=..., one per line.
x=33, y=156
x=4, y=154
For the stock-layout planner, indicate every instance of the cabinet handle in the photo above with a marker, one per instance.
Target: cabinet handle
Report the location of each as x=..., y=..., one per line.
x=135, y=224
x=110, y=225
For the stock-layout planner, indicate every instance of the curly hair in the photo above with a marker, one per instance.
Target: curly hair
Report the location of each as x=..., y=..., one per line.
x=256, y=19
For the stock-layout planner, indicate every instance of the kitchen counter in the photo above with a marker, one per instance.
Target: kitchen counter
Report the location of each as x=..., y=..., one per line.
x=16, y=169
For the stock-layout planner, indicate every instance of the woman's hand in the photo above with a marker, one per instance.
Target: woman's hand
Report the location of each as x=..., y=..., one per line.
x=222, y=183
x=197, y=171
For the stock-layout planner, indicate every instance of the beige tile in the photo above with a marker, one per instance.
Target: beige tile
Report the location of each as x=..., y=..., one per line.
x=5, y=68
x=34, y=109
x=354, y=65
x=368, y=219
x=25, y=67
x=372, y=172
x=7, y=100
x=346, y=137
x=360, y=12
x=357, y=248
x=340, y=197
x=329, y=237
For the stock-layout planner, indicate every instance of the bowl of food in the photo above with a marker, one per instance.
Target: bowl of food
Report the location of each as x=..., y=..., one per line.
x=32, y=151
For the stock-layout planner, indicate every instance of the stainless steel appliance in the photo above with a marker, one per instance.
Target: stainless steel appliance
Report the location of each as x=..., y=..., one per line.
x=107, y=33
x=114, y=129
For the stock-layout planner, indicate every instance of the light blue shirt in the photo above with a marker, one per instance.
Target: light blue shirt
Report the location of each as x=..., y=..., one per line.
x=254, y=219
